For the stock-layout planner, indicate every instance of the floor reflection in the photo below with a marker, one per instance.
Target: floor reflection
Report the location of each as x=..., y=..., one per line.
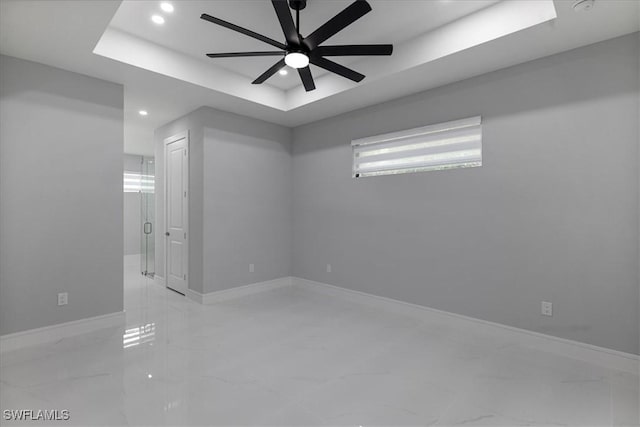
x=139, y=335
x=293, y=357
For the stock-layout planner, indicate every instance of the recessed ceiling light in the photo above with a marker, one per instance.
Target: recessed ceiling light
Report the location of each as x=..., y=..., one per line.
x=283, y=72
x=157, y=19
x=296, y=60
x=143, y=112
x=167, y=7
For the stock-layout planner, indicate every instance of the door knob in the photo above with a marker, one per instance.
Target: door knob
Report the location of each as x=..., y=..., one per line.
x=166, y=233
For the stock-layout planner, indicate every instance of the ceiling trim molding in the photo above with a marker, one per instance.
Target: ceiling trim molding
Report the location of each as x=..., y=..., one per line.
x=486, y=25
x=494, y=22
x=126, y=48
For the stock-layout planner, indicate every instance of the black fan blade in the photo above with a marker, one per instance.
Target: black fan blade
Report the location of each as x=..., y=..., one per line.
x=336, y=24
x=307, y=78
x=286, y=22
x=236, y=54
x=270, y=72
x=336, y=68
x=355, y=50
x=244, y=31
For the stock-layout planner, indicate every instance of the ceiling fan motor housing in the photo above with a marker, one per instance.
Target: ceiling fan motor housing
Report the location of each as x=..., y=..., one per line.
x=297, y=4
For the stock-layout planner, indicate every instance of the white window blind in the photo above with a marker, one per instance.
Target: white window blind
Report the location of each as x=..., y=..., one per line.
x=135, y=182
x=455, y=144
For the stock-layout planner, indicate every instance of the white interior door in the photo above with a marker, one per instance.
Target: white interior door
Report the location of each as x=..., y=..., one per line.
x=177, y=203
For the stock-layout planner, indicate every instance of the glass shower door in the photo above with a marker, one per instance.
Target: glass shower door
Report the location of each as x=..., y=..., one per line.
x=147, y=216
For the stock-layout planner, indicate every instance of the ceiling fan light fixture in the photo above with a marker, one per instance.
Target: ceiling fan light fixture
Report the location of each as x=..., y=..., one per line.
x=296, y=60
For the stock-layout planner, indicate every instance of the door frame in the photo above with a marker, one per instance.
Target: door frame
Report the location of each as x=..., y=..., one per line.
x=177, y=137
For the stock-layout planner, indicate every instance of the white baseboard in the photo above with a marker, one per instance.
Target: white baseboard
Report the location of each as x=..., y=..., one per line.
x=159, y=280
x=240, y=291
x=195, y=296
x=52, y=333
x=600, y=356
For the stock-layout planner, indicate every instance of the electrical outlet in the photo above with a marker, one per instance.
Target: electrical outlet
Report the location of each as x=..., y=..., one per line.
x=547, y=308
x=328, y=268
x=63, y=298
x=252, y=268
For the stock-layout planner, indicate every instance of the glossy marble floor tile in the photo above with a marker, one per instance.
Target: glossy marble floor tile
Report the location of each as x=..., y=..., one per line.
x=294, y=357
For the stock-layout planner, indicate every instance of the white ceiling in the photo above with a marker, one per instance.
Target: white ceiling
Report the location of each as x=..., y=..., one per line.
x=139, y=42
x=185, y=32
x=64, y=34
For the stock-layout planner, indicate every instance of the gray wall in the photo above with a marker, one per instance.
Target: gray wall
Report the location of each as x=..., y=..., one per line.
x=552, y=214
x=240, y=203
x=132, y=209
x=61, y=139
x=247, y=208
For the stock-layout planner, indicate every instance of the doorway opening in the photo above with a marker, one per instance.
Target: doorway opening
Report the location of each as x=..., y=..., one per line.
x=139, y=213
x=147, y=218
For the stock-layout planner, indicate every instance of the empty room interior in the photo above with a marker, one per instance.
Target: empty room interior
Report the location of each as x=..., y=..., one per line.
x=308, y=212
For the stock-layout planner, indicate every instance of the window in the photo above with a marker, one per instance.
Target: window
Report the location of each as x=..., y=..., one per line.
x=135, y=182
x=450, y=145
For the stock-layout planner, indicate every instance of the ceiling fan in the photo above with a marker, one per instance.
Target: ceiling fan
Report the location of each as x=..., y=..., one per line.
x=298, y=51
